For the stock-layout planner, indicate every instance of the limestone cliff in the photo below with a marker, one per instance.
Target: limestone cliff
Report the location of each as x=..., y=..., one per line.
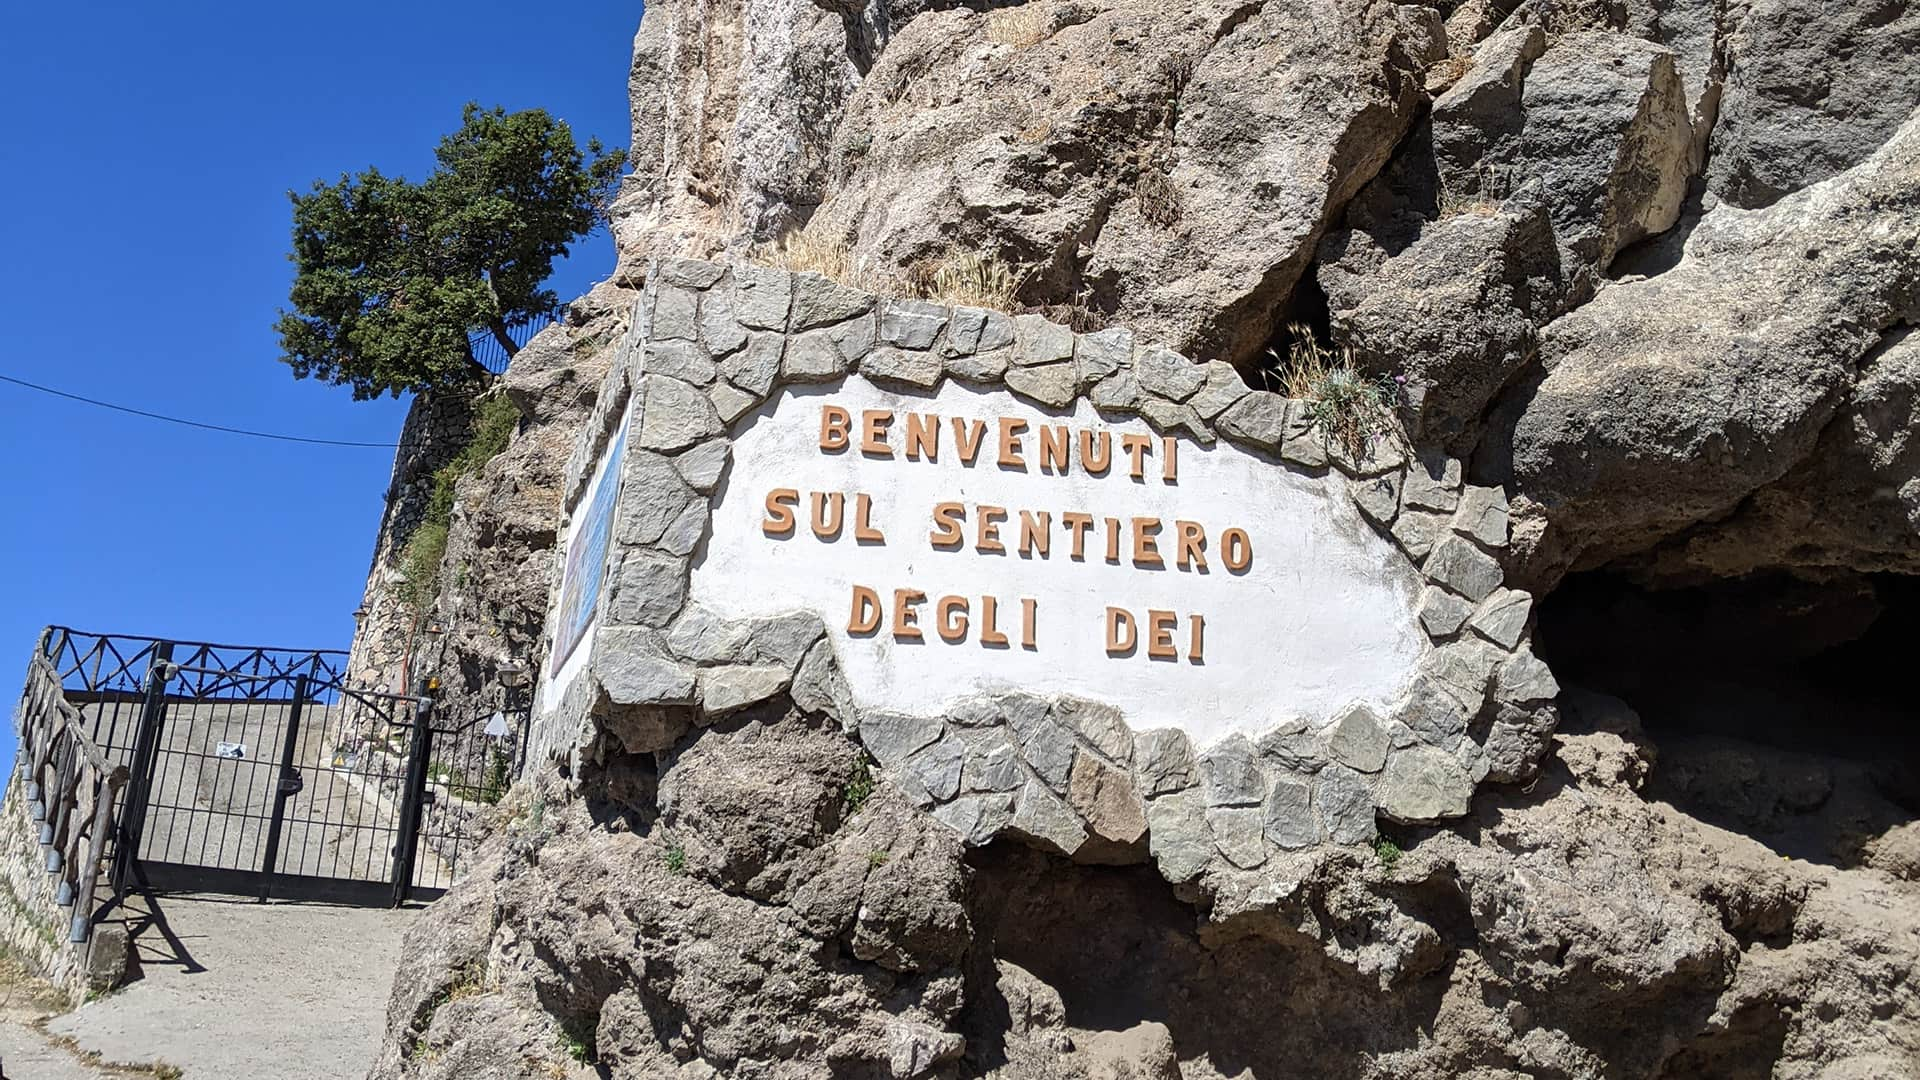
x=1649, y=270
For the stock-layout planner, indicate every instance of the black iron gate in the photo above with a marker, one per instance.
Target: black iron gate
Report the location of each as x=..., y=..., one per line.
x=261, y=772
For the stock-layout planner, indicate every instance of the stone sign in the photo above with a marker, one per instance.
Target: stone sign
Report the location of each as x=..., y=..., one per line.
x=1061, y=587
x=965, y=542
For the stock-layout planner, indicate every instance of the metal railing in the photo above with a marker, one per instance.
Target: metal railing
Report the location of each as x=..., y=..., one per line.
x=490, y=354
x=72, y=792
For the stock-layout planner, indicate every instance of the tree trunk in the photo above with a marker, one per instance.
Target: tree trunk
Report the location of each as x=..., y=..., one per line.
x=477, y=365
x=499, y=328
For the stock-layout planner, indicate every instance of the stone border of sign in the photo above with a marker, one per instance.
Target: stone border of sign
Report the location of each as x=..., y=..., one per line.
x=710, y=342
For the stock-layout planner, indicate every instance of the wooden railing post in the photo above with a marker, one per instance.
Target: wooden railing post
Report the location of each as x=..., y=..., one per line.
x=88, y=876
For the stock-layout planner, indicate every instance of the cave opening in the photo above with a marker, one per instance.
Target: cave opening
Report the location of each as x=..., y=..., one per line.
x=1780, y=705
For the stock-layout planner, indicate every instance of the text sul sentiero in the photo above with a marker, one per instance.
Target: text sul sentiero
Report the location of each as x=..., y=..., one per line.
x=1147, y=543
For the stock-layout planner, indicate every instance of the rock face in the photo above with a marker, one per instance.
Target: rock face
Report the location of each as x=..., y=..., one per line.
x=730, y=911
x=1648, y=271
x=1666, y=401
x=1169, y=170
x=1812, y=97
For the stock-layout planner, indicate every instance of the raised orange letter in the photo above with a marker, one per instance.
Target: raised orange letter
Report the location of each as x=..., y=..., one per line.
x=951, y=619
x=1077, y=524
x=1120, y=633
x=780, y=506
x=863, y=530
x=1146, y=552
x=987, y=533
x=1236, y=550
x=1056, y=448
x=1010, y=429
x=947, y=518
x=923, y=436
x=866, y=611
x=1036, y=532
x=1192, y=546
x=829, y=513
x=1136, y=447
x=873, y=432
x=834, y=423
x=1160, y=626
x=968, y=433
x=990, y=634
x=1096, y=463
x=906, y=626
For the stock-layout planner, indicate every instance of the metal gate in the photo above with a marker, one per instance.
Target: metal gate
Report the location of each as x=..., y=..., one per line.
x=261, y=772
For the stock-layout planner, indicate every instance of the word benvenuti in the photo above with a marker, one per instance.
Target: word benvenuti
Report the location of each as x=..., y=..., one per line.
x=1147, y=543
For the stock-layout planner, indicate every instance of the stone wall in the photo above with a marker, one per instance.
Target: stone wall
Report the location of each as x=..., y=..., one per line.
x=711, y=343
x=437, y=426
x=34, y=925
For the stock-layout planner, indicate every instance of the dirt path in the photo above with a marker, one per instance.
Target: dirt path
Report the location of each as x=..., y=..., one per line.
x=237, y=990
x=27, y=1050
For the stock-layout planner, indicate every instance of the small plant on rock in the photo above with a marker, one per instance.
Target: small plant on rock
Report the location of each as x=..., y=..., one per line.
x=1028, y=24
x=1345, y=404
x=877, y=858
x=858, y=787
x=578, y=1047
x=1157, y=198
x=1388, y=853
x=677, y=860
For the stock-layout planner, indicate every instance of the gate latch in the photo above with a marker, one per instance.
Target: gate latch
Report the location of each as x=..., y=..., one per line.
x=292, y=783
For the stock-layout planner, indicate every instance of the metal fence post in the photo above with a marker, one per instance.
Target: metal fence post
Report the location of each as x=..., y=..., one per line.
x=153, y=712
x=289, y=785
x=413, y=801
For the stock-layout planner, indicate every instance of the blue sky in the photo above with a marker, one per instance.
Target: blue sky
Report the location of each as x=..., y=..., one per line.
x=148, y=150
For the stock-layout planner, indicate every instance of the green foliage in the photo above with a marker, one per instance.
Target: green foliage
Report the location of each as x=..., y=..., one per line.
x=393, y=277
x=676, y=859
x=420, y=562
x=494, y=420
x=877, y=858
x=858, y=787
x=495, y=786
x=1388, y=853
x=579, y=1047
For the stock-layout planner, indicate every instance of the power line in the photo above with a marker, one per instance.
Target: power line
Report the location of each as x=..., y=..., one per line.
x=195, y=423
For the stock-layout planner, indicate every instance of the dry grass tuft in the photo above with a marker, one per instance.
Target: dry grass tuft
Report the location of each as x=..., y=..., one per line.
x=1158, y=199
x=804, y=252
x=1452, y=206
x=1448, y=71
x=1028, y=24
x=967, y=278
x=1490, y=185
x=800, y=250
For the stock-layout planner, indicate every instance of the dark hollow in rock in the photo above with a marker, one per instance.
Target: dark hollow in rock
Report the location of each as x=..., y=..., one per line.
x=1777, y=702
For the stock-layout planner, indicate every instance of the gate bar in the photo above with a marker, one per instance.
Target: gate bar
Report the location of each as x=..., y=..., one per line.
x=153, y=712
x=413, y=802
x=289, y=784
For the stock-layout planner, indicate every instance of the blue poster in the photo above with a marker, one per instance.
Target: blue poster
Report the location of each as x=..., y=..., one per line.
x=587, y=556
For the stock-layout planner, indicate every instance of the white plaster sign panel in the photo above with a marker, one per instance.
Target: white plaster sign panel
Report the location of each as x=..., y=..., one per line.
x=1322, y=617
x=585, y=541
